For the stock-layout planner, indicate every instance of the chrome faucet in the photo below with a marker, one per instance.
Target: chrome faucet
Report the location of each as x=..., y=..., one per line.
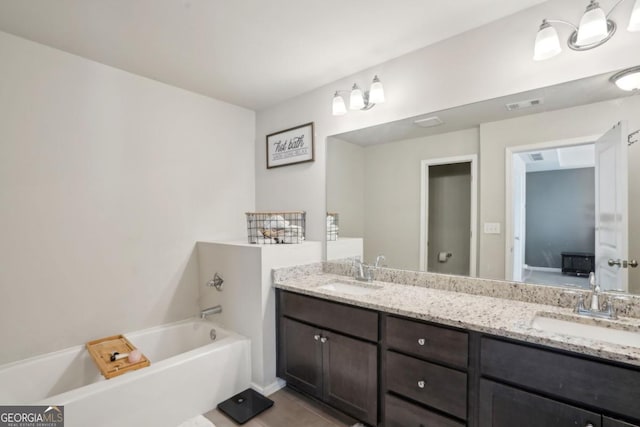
x=209, y=311
x=364, y=272
x=605, y=310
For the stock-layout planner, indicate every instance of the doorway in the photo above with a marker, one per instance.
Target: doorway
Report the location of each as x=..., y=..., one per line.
x=448, y=215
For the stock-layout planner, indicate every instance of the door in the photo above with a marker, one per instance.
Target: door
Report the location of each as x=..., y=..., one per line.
x=502, y=406
x=519, y=216
x=351, y=376
x=302, y=356
x=611, y=209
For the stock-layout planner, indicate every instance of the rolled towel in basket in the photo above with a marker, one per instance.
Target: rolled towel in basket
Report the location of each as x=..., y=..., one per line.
x=275, y=222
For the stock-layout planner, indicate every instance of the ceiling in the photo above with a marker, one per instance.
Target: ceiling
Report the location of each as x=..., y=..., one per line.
x=252, y=53
x=578, y=92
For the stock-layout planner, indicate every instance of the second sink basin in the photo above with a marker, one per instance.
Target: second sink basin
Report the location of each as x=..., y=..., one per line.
x=586, y=328
x=349, y=288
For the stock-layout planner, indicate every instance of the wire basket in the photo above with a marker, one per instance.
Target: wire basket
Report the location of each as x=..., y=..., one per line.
x=333, y=223
x=269, y=228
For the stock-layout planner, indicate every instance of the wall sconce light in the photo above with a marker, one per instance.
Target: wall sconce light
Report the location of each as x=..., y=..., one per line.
x=594, y=30
x=628, y=79
x=359, y=100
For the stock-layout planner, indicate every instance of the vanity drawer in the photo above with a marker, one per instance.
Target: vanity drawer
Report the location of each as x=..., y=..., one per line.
x=400, y=413
x=597, y=384
x=427, y=341
x=350, y=320
x=441, y=388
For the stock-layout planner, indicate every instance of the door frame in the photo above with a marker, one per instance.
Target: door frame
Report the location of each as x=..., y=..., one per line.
x=508, y=187
x=424, y=207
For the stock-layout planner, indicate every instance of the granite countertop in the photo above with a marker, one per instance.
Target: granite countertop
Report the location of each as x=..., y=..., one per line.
x=487, y=314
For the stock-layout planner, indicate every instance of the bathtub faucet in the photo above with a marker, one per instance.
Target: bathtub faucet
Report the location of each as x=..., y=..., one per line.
x=211, y=310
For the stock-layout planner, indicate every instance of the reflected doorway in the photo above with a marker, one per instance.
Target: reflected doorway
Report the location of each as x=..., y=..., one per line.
x=448, y=216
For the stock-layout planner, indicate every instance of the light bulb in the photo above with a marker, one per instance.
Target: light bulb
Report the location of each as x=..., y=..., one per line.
x=593, y=25
x=547, y=42
x=634, y=21
x=628, y=80
x=376, y=92
x=338, y=105
x=356, y=101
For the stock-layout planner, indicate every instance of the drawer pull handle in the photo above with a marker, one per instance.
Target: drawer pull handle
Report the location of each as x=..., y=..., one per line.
x=421, y=384
x=422, y=341
x=316, y=337
x=588, y=425
x=324, y=340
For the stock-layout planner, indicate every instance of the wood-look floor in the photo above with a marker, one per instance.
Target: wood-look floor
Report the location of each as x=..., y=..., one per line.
x=290, y=409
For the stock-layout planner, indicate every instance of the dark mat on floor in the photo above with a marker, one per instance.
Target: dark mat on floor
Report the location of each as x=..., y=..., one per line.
x=245, y=405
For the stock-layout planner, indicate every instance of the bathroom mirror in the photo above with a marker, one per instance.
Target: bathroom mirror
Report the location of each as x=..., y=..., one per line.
x=509, y=188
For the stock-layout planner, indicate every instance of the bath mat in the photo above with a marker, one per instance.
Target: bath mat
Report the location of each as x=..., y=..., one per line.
x=244, y=406
x=198, y=421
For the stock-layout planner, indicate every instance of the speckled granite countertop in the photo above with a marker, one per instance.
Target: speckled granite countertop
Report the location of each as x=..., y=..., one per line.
x=488, y=314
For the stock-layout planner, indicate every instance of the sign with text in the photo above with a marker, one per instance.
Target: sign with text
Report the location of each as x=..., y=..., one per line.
x=290, y=146
x=31, y=416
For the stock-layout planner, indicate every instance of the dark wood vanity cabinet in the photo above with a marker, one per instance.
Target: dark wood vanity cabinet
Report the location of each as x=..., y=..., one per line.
x=424, y=374
x=330, y=351
x=390, y=371
x=532, y=385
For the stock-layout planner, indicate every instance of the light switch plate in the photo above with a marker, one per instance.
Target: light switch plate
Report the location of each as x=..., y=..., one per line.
x=491, y=228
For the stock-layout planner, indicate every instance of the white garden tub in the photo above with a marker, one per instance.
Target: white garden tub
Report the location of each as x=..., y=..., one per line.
x=189, y=375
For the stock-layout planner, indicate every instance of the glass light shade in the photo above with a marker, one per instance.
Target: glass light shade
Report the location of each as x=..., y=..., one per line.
x=628, y=80
x=338, y=105
x=547, y=43
x=593, y=26
x=634, y=21
x=356, y=101
x=376, y=92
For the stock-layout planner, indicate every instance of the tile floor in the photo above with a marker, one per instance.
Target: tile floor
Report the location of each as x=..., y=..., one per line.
x=290, y=409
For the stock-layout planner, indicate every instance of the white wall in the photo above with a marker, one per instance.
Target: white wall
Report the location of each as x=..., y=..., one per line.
x=488, y=62
x=107, y=180
x=248, y=297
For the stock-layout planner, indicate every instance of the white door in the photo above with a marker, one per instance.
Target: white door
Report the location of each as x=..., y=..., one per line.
x=519, y=212
x=611, y=209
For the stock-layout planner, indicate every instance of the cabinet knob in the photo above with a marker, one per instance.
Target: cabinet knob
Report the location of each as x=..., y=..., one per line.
x=316, y=337
x=588, y=425
x=421, y=384
x=324, y=340
x=422, y=341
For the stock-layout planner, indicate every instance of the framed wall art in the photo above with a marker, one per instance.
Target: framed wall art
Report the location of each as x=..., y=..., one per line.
x=290, y=146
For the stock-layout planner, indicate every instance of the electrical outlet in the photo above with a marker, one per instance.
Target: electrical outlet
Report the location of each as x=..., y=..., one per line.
x=491, y=228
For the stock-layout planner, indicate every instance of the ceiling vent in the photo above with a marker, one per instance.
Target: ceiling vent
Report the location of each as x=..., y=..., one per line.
x=428, y=122
x=536, y=157
x=524, y=104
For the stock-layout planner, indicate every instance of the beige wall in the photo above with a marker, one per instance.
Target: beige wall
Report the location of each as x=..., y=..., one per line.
x=345, y=178
x=107, y=180
x=587, y=120
x=392, y=193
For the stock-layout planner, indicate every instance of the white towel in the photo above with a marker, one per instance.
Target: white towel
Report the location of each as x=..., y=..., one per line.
x=275, y=221
x=198, y=421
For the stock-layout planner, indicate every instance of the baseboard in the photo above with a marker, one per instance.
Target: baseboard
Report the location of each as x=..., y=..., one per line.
x=271, y=388
x=545, y=269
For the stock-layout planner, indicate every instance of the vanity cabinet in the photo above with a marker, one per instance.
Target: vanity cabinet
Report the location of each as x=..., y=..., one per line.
x=330, y=351
x=425, y=374
x=560, y=387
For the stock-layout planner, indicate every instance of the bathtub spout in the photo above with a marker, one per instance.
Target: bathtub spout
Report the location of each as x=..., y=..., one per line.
x=211, y=310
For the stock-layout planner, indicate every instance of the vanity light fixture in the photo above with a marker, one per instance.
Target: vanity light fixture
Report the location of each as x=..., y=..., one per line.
x=359, y=100
x=628, y=79
x=594, y=30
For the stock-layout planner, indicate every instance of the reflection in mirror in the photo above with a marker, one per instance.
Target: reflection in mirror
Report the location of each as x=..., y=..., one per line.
x=550, y=199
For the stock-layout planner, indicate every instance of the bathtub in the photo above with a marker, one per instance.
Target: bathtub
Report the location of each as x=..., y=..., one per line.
x=189, y=375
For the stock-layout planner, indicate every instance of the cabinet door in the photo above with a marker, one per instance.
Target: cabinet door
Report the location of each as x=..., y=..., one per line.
x=610, y=422
x=302, y=354
x=502, y=406
x=351, y=376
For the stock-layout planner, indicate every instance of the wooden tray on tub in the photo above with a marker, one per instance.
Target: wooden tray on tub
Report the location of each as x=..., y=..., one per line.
x=102, y=349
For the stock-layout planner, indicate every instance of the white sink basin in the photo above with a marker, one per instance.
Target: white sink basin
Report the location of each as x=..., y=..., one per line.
x=599, y=332
x=349, y=288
